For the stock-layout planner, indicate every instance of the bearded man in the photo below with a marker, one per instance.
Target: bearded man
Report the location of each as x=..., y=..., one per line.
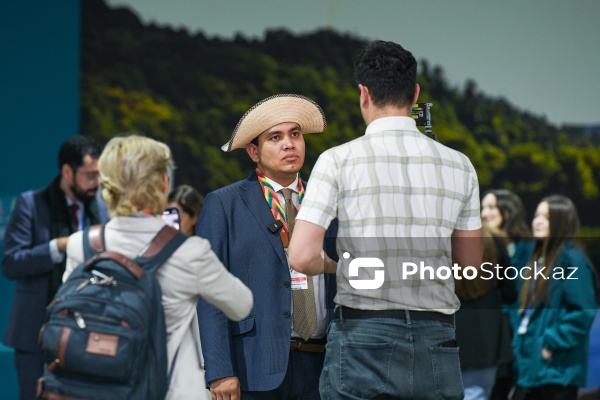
x=34, y=248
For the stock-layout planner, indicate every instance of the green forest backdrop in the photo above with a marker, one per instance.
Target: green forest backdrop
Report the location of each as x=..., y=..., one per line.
x=190, y=91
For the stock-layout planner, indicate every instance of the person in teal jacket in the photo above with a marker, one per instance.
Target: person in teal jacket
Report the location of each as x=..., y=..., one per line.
x=557, y=308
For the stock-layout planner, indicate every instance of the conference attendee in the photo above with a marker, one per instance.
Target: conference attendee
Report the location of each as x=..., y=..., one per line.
x=189, y=203
x=557, y=307
x=35, y=242
x=135, y=186
x=482, y=329
x=502, y=209
x=401, y=199
x=278, y=351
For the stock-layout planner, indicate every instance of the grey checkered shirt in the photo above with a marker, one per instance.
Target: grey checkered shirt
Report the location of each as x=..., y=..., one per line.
x=398, y=196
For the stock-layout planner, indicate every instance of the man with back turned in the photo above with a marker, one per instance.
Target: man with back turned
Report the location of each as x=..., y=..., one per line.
x=399, y=197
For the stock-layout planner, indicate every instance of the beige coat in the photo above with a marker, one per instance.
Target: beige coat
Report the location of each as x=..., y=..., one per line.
x=192, y=271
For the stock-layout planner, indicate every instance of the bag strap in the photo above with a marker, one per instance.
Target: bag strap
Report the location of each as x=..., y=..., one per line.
x=160, y=248
x=93, y=241
x=151, y=257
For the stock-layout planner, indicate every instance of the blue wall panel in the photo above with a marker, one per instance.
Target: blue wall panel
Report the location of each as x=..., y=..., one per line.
x=39, y=109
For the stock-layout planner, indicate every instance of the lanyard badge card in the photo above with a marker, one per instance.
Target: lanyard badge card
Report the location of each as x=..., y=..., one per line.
x=523, y=325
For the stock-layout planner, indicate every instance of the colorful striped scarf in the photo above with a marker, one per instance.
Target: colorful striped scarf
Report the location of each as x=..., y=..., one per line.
x=273, y=200
x=146, y=212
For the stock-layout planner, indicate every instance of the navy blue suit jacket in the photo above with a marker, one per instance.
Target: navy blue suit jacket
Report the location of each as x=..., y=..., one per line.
x=26, y=258
x=235, y=219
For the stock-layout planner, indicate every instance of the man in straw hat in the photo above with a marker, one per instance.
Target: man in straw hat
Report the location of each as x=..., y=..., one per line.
x=399, y=196
x=278, y=351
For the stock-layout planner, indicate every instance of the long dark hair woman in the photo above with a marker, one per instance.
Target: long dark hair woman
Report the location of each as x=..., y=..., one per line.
x=557, y=307
x=503, y=210
x=482, y=331
x=189, y=202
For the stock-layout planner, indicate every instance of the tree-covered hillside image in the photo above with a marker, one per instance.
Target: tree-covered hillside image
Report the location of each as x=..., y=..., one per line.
x=190, y=90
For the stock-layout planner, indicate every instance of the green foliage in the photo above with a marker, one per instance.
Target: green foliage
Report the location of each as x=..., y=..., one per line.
x=530, y=168
x=221, y=172
x=190, y=92
x=579, y=164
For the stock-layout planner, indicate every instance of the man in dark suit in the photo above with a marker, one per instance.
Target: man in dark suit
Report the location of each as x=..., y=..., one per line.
x=34, y=249
x=278, y=351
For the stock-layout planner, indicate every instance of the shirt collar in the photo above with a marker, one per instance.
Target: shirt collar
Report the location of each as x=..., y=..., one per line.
x=392, y=124
x=79, y=203
x=277, y=187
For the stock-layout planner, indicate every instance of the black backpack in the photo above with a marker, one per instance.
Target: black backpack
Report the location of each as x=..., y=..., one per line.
x=105, y=335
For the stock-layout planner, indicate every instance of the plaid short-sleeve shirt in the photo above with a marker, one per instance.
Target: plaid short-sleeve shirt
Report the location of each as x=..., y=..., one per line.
x=398, y=196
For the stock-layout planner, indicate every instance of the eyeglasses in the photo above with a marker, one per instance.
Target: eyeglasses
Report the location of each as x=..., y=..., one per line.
x=91, y=177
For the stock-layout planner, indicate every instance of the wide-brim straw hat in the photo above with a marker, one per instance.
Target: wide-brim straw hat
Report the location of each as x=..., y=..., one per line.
x=276, y=110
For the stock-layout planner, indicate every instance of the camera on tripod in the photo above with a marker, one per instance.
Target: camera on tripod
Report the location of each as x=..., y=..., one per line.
x=421, y=113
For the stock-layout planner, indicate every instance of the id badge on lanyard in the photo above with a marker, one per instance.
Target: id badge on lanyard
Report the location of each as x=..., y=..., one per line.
x=524, y=324
x=522, y=329
x=299, y=280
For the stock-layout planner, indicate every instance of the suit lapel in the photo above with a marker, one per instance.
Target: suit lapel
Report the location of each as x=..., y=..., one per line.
x=252, y=196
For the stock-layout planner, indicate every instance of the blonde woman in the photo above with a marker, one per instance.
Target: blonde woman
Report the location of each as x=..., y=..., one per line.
x=135, y=184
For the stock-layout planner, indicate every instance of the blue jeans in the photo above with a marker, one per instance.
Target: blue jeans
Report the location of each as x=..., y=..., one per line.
x=479, y=382
x=385, y=358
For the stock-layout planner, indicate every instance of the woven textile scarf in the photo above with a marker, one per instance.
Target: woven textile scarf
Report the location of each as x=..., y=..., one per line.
x=273, y=200
x=146, y=212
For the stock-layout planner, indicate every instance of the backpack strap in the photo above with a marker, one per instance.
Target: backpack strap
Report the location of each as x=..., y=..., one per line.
x=94, y=250
x=152, y=256
x=120, y=259
x=160, y=248
x=93, y=241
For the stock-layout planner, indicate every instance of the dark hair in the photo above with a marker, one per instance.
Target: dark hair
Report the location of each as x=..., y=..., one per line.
x=494, y=251
x=190, y=200
x=563, y=227
x=514, y=222
x=389, y=72
x=76, y=148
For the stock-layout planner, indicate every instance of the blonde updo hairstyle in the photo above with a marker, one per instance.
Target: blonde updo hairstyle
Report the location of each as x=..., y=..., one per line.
x=132, y=169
